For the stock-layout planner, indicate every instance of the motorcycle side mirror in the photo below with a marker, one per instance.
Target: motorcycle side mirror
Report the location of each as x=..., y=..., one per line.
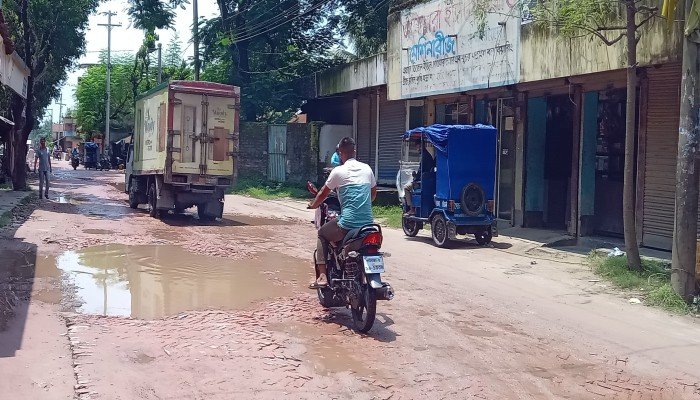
x=311, y=188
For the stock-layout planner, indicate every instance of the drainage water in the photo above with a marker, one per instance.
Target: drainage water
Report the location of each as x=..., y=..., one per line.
x=149, y=282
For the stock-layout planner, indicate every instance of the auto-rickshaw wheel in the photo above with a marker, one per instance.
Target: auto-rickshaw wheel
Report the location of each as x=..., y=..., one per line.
x=484, y=238
x=439, y=231
x=410, y=227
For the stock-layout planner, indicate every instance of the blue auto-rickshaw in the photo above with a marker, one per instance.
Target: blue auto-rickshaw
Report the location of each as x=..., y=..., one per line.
x=91, y=158
x=452, y=169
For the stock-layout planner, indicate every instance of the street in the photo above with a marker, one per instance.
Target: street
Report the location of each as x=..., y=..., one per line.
x=112, y=304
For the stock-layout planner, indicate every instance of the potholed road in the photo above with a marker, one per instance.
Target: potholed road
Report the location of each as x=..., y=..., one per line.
x=112, y=304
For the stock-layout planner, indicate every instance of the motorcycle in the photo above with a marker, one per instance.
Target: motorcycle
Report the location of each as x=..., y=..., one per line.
x=354, y=267
x=74, y=162
x=104, y=164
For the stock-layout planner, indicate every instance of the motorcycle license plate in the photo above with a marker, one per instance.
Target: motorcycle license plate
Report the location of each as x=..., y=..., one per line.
x=374, y=264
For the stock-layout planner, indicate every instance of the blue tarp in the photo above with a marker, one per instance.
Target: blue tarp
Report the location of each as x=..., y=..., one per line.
x=439, y=135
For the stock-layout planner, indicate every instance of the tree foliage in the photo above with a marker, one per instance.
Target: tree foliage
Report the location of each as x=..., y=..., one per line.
x=149, y=15
x=49, y=36
x=365, y=22
x=266, y=46
x=91, y=96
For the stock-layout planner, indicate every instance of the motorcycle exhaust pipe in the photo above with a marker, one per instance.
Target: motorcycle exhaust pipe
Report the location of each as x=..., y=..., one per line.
x=385, y=292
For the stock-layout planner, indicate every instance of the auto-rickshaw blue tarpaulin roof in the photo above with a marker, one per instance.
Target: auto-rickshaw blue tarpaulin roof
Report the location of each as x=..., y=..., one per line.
x=439, y=135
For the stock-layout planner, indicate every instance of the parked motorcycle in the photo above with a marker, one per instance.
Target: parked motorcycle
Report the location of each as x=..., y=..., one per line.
x=354, y=267
x=104, y=164
x=74, y=162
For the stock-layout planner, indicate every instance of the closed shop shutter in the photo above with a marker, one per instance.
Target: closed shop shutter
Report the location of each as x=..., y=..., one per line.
x=660, y=163
x=392, y=123
x=363, y=128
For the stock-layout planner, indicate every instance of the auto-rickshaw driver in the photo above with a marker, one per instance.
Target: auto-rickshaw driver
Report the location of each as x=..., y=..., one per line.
x=426, y=162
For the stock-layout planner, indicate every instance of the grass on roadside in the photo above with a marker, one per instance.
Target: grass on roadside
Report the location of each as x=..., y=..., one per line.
x=5, y=219
x=266, y=190
x=654, y=281
x=388, y=215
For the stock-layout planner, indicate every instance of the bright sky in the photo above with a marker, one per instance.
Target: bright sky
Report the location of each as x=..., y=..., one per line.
x=126, y=38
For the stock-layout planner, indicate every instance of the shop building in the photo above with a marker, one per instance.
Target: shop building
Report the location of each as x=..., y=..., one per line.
x=558, y=104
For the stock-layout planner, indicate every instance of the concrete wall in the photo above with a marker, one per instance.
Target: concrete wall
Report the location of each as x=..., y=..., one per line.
x=360, y=74
x=253, y=157
x=589, y=54
x=302, y=151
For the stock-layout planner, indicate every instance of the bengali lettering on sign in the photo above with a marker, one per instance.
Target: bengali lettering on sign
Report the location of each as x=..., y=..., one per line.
x=443, y=52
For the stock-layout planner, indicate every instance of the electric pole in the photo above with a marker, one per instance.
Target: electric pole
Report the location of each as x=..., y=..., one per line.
x=109, y=26
x=60, y=118
x=685, y=230
x=160, y=63
x=195, y=38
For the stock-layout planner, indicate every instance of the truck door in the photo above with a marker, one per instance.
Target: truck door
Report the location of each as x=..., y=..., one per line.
x=221, y=139
x=187, y=133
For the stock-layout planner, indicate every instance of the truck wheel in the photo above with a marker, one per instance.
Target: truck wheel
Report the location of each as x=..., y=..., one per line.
x=152, y=200
x=439, y=231
x=133, y=198
x=203, y=216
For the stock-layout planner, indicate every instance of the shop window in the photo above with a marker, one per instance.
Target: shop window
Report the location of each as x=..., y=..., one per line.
x=452, y=114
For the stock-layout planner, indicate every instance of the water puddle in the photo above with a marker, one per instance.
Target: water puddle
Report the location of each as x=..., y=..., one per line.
x=98, y=231
x=67, y=199
x=148, y=282
x=247, y=220
x=325, y=352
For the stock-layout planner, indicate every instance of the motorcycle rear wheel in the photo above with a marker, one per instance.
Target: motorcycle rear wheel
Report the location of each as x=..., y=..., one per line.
x=363, y=315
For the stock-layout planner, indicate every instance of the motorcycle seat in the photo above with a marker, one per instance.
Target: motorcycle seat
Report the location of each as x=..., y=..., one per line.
x=360, y=232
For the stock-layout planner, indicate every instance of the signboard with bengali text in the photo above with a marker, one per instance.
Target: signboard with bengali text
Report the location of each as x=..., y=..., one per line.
x=444, y=51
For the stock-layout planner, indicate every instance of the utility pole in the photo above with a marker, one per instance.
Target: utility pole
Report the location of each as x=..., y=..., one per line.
x=160, y=63
x=685, y=230
x=60, y=118
x=195, y=38
x=109, y=26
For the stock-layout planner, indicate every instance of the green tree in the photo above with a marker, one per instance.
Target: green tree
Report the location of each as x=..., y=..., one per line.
x=49, y=38
x=91, y=96
x=173, y=52
x=365, y=22
x=266, y=46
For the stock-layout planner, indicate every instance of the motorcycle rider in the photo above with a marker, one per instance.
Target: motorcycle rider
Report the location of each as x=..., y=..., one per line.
x=357, y=188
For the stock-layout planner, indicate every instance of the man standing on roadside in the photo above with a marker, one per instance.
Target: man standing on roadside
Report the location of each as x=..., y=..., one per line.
x=44, y=159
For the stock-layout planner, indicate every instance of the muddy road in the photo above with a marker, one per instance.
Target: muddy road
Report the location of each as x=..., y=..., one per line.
x=100, y=301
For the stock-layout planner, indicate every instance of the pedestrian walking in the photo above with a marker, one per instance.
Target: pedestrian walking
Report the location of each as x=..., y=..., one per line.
x=44, y=159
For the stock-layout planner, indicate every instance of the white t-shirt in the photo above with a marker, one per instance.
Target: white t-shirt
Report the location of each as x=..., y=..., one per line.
x=354, y=181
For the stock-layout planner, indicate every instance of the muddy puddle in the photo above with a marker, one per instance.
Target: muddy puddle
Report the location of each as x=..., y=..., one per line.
x=98, y=231
x=246, y=220
x=154, y=281
x=68, y=199
x=324, y=351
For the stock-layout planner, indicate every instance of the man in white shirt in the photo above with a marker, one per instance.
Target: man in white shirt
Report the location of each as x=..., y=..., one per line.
x=357, y=188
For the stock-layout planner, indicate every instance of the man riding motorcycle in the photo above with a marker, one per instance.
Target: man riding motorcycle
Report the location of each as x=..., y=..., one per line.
x=357, y=188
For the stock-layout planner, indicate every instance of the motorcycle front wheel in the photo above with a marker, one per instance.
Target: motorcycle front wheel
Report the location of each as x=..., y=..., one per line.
x=363, y=315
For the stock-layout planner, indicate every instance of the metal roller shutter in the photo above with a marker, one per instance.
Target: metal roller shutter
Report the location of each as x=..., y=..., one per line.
x=392, y=123
x=661, y=148
x=363, y=128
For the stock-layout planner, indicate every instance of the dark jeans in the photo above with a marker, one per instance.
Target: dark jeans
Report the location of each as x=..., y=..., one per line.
x=330, y=232
x=44, y=181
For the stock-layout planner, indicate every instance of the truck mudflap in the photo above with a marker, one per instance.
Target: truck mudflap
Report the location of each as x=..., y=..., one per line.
x=214, y=208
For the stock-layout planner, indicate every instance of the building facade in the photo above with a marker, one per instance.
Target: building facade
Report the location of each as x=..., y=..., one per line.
x=558, y=104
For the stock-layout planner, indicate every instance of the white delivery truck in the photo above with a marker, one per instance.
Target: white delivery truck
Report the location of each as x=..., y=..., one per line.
x=184, y=148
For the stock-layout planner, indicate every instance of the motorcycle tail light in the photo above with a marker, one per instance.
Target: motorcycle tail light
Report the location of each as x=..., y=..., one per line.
x=373, y=239
x=451, y=206
x=490, y=205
